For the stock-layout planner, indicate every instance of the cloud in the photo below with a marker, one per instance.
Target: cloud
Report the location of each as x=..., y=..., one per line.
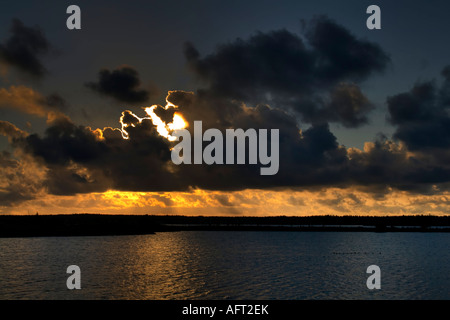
x=11, y=131
x=80, y=159
x=122, y=84
x=385, y=164
x=295, y=73
x=24, y=48
x=20, y=179
x=348, y=106
x=29, y=101
x=339, y=54
x=421, y=116
x=309, y=157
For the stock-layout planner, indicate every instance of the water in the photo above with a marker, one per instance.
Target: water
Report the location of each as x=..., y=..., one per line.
x=228, y=265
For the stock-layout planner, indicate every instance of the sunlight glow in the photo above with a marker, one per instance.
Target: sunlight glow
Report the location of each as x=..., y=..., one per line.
x=164, y=129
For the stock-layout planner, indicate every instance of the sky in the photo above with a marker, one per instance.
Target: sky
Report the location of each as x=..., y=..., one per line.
x=363, y=115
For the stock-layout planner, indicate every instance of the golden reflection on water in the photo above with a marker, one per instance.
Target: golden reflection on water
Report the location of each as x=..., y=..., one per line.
x=163, y=267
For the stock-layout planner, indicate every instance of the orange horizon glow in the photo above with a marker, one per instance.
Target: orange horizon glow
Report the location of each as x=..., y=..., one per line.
x=331, y=201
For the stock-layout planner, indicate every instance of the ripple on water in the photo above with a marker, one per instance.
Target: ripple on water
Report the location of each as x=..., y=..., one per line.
x=228, y=265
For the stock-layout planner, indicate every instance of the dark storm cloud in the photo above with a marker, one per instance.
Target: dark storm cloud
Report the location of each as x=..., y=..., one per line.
x=310, y=158
x=65, y=141
x=421, y=116
x=388, y=165
x=79, y=159
x=24, y=48
x=123, y=84
x=422, y=121
x=339, y=55
x=297, y=73
x=63, y=150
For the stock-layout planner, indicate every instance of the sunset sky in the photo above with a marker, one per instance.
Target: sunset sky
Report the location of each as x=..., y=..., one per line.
x=364, y=115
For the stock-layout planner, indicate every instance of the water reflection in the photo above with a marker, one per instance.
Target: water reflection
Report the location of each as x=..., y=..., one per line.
x=228, y=265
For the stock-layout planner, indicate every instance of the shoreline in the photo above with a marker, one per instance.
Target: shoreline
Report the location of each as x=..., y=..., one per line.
x=112, y=225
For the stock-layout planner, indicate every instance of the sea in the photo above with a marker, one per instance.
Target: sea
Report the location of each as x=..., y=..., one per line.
x=228, y=265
